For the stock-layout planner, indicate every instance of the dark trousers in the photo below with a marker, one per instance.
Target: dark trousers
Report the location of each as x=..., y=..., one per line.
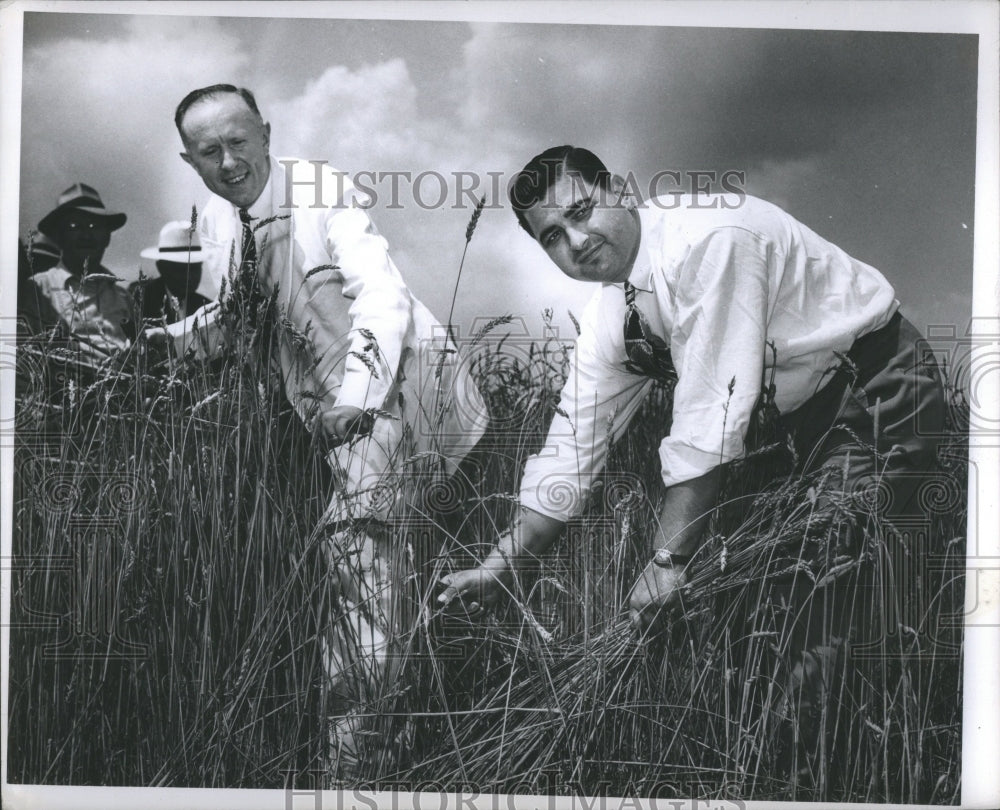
x=886, y=413
x=874, y=429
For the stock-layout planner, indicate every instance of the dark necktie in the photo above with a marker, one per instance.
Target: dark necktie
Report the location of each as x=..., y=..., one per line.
x=648, y=354
x=246, y=283
x=248, y=248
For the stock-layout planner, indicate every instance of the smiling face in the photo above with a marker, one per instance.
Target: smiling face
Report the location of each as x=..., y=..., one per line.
x=585, y=230
x=227, y=144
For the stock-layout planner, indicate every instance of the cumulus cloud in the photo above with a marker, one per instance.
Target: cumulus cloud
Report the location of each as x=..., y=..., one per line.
x=821, y=122
x=101, y=112
x=369, y=119
x=362, y=119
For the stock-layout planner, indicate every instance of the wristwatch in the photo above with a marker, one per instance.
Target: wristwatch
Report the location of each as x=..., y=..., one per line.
x=669, y=559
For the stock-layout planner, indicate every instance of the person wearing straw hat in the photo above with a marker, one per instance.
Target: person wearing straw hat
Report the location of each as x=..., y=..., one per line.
x=88, y=300
x=175, y=293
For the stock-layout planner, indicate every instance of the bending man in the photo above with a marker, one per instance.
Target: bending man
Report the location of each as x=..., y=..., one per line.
x=712, y=299
x=373, y=347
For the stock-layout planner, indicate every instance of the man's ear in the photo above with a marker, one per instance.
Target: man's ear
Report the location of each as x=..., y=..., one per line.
x=267, y=136
x=187, y=159
x=621, y=193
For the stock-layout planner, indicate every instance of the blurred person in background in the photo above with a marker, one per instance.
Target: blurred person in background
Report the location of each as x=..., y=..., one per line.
x=39, y=253
x=174, y=294
x=78, y=294
x=36, y=255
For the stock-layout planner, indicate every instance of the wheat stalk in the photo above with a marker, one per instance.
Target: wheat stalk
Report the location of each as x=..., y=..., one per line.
x=469, y=231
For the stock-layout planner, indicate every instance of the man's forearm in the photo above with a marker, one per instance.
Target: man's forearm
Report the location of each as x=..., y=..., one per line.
x=532, y=534
x=684, y=516
x=200, y=329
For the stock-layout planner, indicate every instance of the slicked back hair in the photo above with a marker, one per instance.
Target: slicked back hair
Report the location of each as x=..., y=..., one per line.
x=212, y=91
x=532, y=183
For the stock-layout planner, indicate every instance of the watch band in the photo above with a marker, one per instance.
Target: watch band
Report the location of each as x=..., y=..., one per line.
x=669, y=559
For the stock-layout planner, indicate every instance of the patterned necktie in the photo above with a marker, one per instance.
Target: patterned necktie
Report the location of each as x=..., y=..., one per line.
x=648, y=354
x=248, y=248
x=246, y=282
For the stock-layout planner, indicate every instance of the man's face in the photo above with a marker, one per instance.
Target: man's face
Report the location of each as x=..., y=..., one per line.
x=83, y=240
x=585, y=231
x=227, y=144
x=181, y=278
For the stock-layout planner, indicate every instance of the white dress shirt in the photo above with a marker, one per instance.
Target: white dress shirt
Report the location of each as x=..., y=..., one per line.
x=376, y=345
x=736, y=294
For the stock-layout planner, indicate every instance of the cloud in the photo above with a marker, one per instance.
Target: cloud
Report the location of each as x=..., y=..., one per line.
x=370, y=119
x=359, y=119
x=828, y=124
x=693, y=96
x=783, y=181
x=102, y=112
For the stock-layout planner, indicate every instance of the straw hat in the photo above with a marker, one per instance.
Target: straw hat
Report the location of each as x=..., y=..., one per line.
x=178, y=243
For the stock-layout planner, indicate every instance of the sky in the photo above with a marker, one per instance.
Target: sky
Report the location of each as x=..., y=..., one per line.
x=867, y=137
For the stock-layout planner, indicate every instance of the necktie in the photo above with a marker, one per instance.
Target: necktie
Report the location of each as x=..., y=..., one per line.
x=246, y=284
x=248, y=248
x=648, y=354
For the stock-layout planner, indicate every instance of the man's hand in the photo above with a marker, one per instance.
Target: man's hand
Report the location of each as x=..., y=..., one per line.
x=683, y=517
x=654, y=595
x=155, y=335
x=344, y=422
x=158, y=340
x=476, y=589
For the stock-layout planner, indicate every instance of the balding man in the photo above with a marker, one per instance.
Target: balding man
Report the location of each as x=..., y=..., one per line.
x=300, y=231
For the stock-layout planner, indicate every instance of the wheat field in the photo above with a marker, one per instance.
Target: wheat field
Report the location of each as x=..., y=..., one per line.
x=169, y=594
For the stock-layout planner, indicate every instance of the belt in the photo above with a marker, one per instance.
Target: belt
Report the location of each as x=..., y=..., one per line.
x=871, y=353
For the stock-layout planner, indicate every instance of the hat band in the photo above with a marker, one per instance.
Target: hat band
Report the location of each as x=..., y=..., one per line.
x=182, y=249
x=84, y=202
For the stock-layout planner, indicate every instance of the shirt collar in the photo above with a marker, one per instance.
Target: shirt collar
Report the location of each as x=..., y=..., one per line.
x=262, y=208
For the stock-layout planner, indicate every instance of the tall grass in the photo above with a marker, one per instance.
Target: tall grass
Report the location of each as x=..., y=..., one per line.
x=170, y=593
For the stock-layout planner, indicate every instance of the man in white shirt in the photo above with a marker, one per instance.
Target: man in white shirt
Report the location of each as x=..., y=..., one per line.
x=714, y=296
x=379, y=375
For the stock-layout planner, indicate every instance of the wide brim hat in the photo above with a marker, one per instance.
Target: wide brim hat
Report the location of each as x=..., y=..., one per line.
x=178, y=243
x=80, y=197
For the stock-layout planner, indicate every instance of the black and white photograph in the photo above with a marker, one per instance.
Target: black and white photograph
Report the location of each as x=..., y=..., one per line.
x=499, y=405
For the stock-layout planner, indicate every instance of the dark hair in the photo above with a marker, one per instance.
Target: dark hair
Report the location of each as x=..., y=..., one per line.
x=543, y=171
x=214, y=90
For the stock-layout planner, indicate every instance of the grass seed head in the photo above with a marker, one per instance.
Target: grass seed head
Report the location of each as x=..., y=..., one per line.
x=471, y=229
